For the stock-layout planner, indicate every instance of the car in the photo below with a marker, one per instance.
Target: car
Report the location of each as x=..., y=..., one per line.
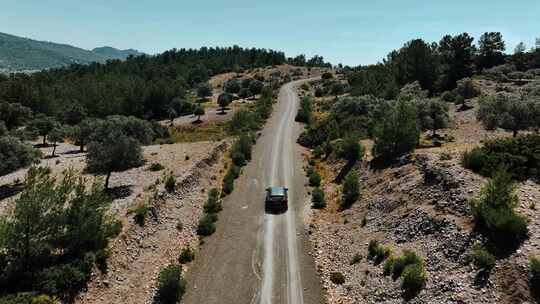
x=276, y=199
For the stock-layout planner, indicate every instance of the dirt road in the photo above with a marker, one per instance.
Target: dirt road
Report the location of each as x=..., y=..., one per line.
x=256, y=257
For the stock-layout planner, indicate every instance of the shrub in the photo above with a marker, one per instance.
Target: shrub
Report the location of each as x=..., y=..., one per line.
x=228, y=180
x=186, y=255
x=213, y=204
x=534, y=264
x=448, y=96
x=156, y=167
x=140, y=212
x=494, y=212
x=170, y=284
x=516, y=155
x=482, y=259
x=337, y=278
x=400, y=263
x=413, y=279
x=467, y=89
x=357, y=258
x=170, y=183
x=206, y=225
x=378, y=252
x=350, y=149
x=15, y=155
x=351, y=190
x=317, y=199
x=388, y=265
x=314, y=179
x=304, y=114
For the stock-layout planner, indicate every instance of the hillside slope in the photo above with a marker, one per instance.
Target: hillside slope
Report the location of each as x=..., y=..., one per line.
x=23, y=54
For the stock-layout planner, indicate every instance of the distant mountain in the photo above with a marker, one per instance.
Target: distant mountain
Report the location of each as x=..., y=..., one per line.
x=113, y=53
x=23, y=54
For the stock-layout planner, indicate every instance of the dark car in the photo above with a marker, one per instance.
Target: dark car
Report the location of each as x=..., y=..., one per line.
x=276, y=199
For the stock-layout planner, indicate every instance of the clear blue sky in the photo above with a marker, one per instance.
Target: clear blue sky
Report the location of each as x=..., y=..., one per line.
x=348, y=31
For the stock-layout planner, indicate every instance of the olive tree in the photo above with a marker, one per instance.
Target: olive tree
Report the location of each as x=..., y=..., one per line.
x=432, y=114
x=43, y=125
x=15, y=154
x=397, y=132
x=507, y=111
x=204, y=90
x=55, y=136
x=199, y=111
x=81, y=133
x=224, y=100
x=111, y=150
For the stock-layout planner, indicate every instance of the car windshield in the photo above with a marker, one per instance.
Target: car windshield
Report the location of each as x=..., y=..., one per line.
x=277, y=191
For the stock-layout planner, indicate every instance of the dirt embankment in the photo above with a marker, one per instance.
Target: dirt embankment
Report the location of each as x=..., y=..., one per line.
x=420, y=203
x=141, y=251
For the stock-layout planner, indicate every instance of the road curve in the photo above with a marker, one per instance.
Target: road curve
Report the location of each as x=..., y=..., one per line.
x=254, y=257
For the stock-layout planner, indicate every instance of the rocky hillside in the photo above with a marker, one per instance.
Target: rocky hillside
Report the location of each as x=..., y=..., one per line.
x=420, y=203
x=23, y=54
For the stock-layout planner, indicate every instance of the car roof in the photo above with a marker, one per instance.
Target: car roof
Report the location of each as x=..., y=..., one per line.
x=277, y=191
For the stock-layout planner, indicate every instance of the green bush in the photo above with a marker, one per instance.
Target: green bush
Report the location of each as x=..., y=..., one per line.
x=448, y=96
x=494, y=212
x=357, y=258
x=140, y=212
x=337, y=278
x=378, y=252
x=350, y=149
x=15, y=155
x=206, y=224
x=186, y=255
x=413, y=279
x=517, y=155
x=397, y=133
x=351, y=190
x=400, y=263
x=238, y=158
x=534, y=265
x=314, y=179
x=228, y=181
x=304, y=114
x=170, y=183
x=388, y=265
x=317, y=199
x=482, y=259
x=213, y=204
x=170, y=284
x=156, y=167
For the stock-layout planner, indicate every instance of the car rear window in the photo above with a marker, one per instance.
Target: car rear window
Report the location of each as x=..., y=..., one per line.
x=277, y=191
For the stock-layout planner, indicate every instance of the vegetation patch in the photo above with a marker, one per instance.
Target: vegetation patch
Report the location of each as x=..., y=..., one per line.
x=170, y=284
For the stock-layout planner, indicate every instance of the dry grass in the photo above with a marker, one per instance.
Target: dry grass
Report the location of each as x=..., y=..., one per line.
x=197, y=133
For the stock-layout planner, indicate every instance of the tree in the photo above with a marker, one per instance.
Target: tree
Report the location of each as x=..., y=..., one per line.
x=14, y=114
x=232, y=86
x=256, y=87
x=351, y=190
x=43, y=125
x=432, y=114
x=204, y=90
x=56, y=135
x=350, y=149
x=244, y=93
x=491, y=50
x=495, y=212
x=112, y=151
x=337, y=89
x=415, y=61
x=520, y=48
x=74, y=114
x=506, y=111
x=467, y=89
x=224, y=100
x=172, y=115
x=457, y=58
x=199, y=111
x=81, y=133
x=397, y=132
x=53, y=233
